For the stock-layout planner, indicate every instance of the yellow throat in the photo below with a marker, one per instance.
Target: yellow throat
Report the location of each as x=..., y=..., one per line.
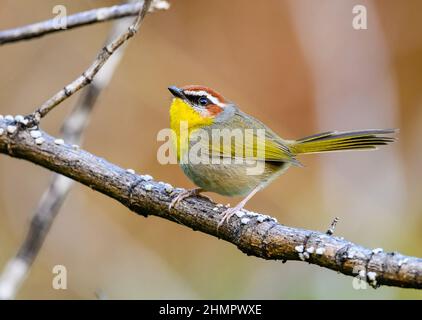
x=183, y=121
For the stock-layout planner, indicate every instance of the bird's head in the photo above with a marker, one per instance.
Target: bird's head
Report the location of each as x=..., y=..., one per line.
x=203, y=101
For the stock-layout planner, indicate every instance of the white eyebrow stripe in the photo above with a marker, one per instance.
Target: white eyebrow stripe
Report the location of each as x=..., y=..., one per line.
x=204, y=93
x=195, y=93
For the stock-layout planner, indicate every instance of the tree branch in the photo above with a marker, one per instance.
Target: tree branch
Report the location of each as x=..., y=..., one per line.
x=42, y=28
x=89, y=74
x=254, y=234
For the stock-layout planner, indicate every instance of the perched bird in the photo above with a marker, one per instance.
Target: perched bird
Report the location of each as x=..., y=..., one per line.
x=225, y=166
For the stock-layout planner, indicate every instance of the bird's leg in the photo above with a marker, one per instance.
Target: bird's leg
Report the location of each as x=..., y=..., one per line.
x=231, y=211
x=186, y=194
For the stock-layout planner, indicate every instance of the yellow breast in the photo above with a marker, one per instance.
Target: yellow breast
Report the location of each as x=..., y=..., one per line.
x=183, y=121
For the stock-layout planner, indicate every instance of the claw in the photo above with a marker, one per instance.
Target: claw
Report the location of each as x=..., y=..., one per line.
x=186, y=194
x=179, y=197
x=227, y=214
x=231, y=211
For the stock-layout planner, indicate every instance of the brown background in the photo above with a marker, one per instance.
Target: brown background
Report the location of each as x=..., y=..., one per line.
x=264, y=56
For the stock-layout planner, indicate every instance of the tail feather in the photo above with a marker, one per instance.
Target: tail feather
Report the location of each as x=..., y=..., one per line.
x=341, y=141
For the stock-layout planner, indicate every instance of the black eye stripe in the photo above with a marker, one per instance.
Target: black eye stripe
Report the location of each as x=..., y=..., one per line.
x=191, y=97
x=196, y=99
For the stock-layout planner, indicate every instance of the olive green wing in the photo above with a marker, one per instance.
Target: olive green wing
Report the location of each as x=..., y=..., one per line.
x=245, y=137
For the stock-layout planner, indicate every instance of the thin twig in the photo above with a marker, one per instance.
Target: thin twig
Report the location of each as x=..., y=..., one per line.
x=89, y=74
x=332, y=227
x=42, y=28
x=254, y=234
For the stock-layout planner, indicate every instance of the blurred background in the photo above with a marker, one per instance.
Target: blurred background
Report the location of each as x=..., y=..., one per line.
x=299, y=66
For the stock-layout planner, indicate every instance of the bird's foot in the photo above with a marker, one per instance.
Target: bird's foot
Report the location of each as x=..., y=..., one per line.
x=227, y=214
x=186, y=194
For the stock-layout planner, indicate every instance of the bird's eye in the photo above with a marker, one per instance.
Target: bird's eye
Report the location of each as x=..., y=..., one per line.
x=203, y=101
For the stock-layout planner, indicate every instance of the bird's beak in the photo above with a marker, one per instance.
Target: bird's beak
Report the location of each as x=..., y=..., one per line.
x=176, y=92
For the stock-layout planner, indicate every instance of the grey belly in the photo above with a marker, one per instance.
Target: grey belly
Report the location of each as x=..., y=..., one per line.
x=233, y=179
